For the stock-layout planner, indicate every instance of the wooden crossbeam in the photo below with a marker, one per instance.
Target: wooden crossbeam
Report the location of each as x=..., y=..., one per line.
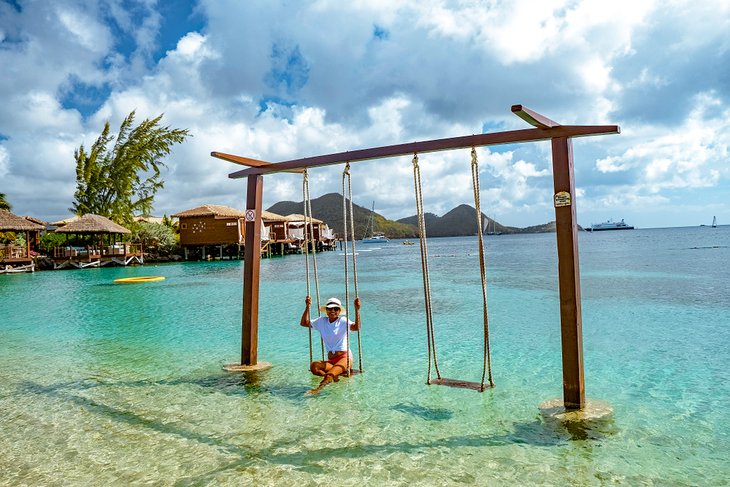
x=479, y=140
x=246, y=161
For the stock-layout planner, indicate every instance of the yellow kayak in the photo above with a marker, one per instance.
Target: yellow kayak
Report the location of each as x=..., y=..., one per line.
x=134, y=280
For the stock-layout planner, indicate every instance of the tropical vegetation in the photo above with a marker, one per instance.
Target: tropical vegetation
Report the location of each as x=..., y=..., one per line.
x=119, y=176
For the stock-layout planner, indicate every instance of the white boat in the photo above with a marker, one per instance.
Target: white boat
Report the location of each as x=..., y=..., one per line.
x=370, y=236
x=376, y=238
x=610, y=225
x=714, y=222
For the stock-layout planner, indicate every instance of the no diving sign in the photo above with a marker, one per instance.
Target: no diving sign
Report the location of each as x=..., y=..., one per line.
x=250, y=215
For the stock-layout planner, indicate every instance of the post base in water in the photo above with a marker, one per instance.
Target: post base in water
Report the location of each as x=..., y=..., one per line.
x=246, y=368
x=593, y=422
x=594, y=410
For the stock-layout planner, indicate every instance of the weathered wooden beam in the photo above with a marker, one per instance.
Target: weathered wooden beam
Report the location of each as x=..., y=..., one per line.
x=571, y=322
x=251, y=270
x=533, y=118
x=479, y=140
x=245, y=161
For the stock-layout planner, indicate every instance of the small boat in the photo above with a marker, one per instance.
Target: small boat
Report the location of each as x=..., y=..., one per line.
x=407, y=242
x=610, y=225
x=370, y=236
x=714, y=222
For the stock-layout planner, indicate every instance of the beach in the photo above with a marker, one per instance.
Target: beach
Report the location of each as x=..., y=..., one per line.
x=113, y=384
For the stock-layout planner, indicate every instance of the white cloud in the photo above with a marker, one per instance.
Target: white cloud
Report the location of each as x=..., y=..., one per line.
x=281, y=81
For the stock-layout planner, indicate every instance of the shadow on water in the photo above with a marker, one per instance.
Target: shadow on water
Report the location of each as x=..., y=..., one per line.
x=538, y=432
x=430, y=414
x=535, y=433
x=232, y=384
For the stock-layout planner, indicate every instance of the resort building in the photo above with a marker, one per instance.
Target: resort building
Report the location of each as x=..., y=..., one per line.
x=94, y=241
x=218, y=232
x=321, y=235
x=211, y=232
x=13, y=257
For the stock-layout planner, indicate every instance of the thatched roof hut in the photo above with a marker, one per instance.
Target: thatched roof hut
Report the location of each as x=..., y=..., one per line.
x=91, y=223
x=269, y=217
x=298, y=217
x=14, y=223
x=65, y=221
x=212, y=210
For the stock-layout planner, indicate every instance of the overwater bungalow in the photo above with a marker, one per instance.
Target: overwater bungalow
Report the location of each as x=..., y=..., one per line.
x=93, y=241
x=322, y=236
x=16, y=258
x=211, y=232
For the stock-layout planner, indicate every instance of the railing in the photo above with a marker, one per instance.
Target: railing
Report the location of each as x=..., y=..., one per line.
x=116, y=250
x=10, y=251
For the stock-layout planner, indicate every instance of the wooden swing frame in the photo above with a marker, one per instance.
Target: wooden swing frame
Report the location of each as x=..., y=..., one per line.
x=565, y=217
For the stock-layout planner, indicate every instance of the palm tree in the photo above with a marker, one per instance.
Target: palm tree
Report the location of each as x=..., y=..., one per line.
x=4, y=205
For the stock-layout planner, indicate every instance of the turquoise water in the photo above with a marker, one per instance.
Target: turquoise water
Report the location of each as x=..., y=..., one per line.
x=123, y=384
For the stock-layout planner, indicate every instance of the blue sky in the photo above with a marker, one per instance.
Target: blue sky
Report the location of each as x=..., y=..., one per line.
x=277, y=80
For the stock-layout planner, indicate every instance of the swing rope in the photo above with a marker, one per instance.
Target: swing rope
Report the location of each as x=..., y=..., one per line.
x=424, y=270
x=487, y=363
x=487, y=368
x=347, y=195
x=309, y=232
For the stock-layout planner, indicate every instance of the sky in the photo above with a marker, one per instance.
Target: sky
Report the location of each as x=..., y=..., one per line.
x=279, y=80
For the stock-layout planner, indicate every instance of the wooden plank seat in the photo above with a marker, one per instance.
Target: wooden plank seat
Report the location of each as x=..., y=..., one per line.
x=461, y=384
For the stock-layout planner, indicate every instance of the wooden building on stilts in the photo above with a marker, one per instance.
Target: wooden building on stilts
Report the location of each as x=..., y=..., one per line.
x=95, y=241
x=16, y=258
x=211, y=232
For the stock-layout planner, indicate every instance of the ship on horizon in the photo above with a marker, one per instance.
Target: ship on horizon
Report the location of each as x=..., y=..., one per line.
x=610, y=225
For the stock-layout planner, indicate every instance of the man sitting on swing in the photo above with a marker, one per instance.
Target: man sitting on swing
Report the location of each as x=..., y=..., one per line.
x=333, y=329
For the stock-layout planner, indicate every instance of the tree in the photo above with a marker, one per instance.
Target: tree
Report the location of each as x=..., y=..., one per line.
x=4, y=205
x=156, y=235
x=122, y=181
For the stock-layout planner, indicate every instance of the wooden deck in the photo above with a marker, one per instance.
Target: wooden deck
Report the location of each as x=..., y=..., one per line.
x=14, y=258
x=82, y=257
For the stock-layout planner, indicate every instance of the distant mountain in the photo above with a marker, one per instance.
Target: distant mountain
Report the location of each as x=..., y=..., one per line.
x=458, y=222
x=328, y=208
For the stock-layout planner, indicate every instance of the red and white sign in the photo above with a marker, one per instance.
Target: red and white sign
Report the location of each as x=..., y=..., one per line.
x=250, y=215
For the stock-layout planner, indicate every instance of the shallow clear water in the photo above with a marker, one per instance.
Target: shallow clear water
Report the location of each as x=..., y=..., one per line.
x=123, y=384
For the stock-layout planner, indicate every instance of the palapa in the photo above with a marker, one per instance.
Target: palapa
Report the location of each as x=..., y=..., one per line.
x=91, y=223
x=211, y=210
x=298, y=217
x=14, y=223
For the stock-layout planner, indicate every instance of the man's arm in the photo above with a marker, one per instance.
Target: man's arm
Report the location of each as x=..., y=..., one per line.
x=305, y=322
x=356, y=326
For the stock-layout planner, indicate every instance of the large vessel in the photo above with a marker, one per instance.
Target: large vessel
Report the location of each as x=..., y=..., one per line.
x=610, y=225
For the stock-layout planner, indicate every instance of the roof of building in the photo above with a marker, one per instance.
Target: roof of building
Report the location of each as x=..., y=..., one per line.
x=91, y=223
x=211, y=210
x=298, y=217
x=269, y=216
x=65, y=221
x=10, y=222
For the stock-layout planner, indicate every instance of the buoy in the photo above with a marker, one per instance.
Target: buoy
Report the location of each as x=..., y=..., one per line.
x=135, y=280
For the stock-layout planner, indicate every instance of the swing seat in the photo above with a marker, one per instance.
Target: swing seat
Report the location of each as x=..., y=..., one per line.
x=461, y=384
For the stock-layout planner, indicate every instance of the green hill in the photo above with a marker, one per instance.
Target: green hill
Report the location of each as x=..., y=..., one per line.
x=458, y=222
x=329, y=209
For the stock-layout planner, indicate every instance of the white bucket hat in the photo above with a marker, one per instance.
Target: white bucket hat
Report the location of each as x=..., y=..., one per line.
x=333, y=303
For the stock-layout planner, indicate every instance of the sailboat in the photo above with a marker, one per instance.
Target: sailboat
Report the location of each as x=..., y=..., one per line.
x=494, y=231
x=370, y=235
x=714, y=223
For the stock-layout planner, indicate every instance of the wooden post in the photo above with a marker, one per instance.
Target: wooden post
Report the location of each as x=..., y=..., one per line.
x=569, y=274
x=251, y=267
